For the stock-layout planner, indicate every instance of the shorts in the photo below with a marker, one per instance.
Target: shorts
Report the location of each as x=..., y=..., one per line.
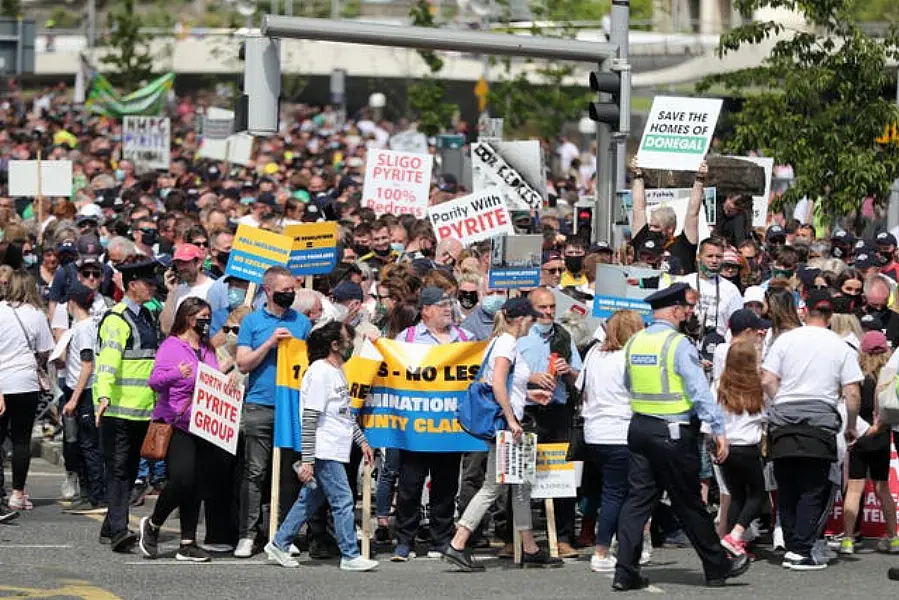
x=870, y=464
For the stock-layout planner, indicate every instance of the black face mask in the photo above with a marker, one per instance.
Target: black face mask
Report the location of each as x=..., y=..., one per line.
x=202, y=327
x=284, y=299
x=846, y=304
x=149, y=236
x=468, y=300
x=691, y=327
x=384, y=252
x=361, y=249
x=574, y=264
x=223, y=258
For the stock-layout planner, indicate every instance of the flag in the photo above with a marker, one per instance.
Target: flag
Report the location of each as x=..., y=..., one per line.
x=148, y=100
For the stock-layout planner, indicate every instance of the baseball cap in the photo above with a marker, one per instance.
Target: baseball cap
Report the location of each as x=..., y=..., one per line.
x=448, y=183
x=187, y=253
x=744, y=319
x=775, y=232
x=807, y=275
x=600, y=247
x=650, y=245
x=67, y=246
x=819, y=299
x=89, y=246
x=863, y=260
x=754, y=293
x=885, y=238
x=842, y=236
x=875, y=342
x=871, y=323
x=519, y=307
x=432, y=295
x=81, y=295
x=88, y=261
x=91, y=210
x=347, y=290
x=730, y=257
x=551, y=256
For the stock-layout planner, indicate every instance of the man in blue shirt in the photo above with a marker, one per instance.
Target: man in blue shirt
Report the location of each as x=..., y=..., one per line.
x=257, y=354
x=547, y=339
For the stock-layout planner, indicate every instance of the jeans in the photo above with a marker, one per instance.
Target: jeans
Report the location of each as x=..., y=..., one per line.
x=121, y=440
x=19, y=420
x=152, y=471
x=483, y=500
x=91, y=470
x=257, y=429
x=331, y=484
x=612, y=462
x=390, y=471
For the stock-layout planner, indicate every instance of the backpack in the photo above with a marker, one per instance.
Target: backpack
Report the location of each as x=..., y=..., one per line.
x=478, y=412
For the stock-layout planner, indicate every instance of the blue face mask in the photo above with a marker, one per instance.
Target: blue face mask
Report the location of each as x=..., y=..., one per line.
x=163, y=192
x=119, y=175
x=29, y=260
x=236, y=296
x=493, y=303
x=543, y=328
x=398, y=247
x=104, y=240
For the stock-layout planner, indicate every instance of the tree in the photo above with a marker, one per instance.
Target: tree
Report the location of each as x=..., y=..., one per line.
x=10, y=8
x=427, y=97
x=818, y=102
x=129, y=56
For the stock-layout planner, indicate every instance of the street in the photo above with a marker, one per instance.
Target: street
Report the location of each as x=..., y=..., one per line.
x=48, y=554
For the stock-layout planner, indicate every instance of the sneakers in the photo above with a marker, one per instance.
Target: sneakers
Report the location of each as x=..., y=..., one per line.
x=461, y=559
x=402, y=553
x=777, y=539
x=123, y=542
x=605, y=564
x=20, y=502
x=888, y=545
x=822, y=553
x=139, y=492
x=6, y=514
x=217, y=548
x=279, y=556
x=149, y=538
x=293, y=550
x=732, y=545
x=192, y=553
x=805, y=563
x=847, y=546
x=244, y=548
x=360, y=563
x=86, y=507
x=70, y=486
x=678, y=539
x=540, y=558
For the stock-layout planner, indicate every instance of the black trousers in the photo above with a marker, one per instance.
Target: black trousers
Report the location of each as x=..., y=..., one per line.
x=414, y=468
x=745, y=478
x=803, y=495
x=18, y=419
x=220, y=493
x=187, y=462
x=553, y=422
x=659, y=463
x=121, y=440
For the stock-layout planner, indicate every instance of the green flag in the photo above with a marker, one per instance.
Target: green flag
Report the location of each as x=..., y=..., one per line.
x=148, y=100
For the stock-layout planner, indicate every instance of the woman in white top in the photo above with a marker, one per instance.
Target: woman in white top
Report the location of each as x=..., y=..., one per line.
x=607, y=415
x=25, y=344
x=508, y=374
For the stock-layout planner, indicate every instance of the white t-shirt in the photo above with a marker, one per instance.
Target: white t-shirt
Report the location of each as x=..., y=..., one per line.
x=60, y=319
x=719, y=359
x=325, y=389
x=506, y=347
x=84, y=340
x=567, y=153
x=607, y=403
x=812, y=363
x=198, y=290
x=18, y=374
x=730, y=300
x=249, y=219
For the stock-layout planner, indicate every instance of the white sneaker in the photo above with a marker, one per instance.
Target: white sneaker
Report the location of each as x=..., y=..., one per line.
x=216, y=548
x=360, y=563
x=791, y=558
x=435, y=554
x=244, y=548
x=279, y=556
x=294, y=551
x=603, y=565
x=70, y=486
x=778, y=539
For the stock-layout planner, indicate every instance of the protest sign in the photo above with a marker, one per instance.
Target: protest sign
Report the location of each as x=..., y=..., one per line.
x=216, y=408
x=513, y=169
x=678, y=133
x=621, y=287
x=554, y=477
x=397, y=183
x=472, y=218
x=515, y=261
x=516, y=462
x=760, y=203
x=672, y=197
x=55, y=178
x=582, y=307
x=314, y=250
x=255, y=250
x=413, y=398
x=146, y=141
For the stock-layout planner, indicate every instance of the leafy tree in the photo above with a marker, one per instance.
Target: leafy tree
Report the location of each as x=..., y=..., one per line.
x=818, y=102
x=10, y=8
x=876, y=10
x=427, y=97
x=129, y=56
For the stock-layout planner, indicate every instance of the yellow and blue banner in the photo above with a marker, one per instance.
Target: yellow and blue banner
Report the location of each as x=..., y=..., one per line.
x=314, y=250
x=255, y=250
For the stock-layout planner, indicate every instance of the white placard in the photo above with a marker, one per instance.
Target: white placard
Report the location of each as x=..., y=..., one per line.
x=409, y=141
x=516, y=462
x=397, y=183
x=760, y=203
x=680, y=207
x=472, y=218
x=236, y=148
x=55, y=180
x=515, y=168
x=678, y=133
x=146, y=141
x=555, y=477
x=215, y=413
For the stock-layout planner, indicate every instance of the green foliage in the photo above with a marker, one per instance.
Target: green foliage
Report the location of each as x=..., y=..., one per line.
x=876, y=10
x=817, y=103
x=10, y=8
x=427, y=97
x=351, y=9
x=129, y=58
x=63, y=18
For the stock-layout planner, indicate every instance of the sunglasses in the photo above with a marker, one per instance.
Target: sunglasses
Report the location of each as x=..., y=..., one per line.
x=229, y=329
x=91, y=273
x=203, y=244
x=556, y=271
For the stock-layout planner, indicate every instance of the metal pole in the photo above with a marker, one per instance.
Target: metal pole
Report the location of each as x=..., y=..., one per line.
x=91, y=23
x=893, y=205
x=605, y=178
x=621, y=18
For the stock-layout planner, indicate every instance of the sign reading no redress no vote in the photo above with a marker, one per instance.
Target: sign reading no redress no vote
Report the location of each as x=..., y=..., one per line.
x=397, y=182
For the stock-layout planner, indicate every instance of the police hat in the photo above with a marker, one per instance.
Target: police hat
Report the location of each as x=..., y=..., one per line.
x=144, y=270
x=674, y=295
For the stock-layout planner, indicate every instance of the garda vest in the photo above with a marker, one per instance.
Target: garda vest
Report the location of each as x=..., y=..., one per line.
x=655, y=386
x=124, y=364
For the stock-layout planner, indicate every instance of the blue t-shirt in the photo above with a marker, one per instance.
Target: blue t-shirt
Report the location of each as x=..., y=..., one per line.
x=255, y=329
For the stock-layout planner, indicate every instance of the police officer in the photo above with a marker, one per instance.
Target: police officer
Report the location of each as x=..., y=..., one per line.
x=129, y=337
x=669, y=396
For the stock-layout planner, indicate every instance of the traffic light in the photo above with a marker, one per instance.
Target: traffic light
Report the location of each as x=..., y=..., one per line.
x=608, y=112
x=583, y=218
x=258, y=106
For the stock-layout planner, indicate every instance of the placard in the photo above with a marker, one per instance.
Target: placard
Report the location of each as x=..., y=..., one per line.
x=216, y=408
x=55, y=180
x=255, y=250
x=314, y=250
x=515, y=261
x=620, y=287
x=516, y=462
x=760, y=203
x=678, y=133
x=397, y=183
x=146, y=141
x=554, y=477
x=472, y=218
x=514, y=169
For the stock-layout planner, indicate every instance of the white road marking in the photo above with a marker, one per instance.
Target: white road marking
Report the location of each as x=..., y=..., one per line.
x=214, y=561
x=2, y=546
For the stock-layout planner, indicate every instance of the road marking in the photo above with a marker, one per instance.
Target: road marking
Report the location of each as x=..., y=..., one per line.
x=214, y=561
x=70, y=589
x=35, y=546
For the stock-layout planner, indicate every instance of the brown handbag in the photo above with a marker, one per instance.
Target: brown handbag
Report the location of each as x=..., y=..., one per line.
x=159, y=435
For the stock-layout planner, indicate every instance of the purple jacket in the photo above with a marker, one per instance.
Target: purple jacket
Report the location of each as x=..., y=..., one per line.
x=175, y=391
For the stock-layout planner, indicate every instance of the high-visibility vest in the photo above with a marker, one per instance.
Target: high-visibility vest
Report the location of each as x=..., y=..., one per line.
x=124, y=364
x=655, y=386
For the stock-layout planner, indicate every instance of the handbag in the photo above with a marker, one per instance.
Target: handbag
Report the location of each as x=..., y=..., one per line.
x=159, y=435
x=43, y=378
x=478, y=412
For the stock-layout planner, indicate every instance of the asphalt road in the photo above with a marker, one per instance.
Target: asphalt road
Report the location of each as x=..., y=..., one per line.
x=48, y=554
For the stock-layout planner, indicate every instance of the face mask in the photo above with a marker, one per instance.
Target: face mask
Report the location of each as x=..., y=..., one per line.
x=223, y=258
x=361, y=249
x=708, y=272
x=30, y=260
x=468, y=300
x=231, y=338
x=543, y=328
x=574, y=264
x=690, y=327
x=236, y=296
x=491, y=304
x=119, y=175
x=844, y=304
x=149, y=236
x=164, y=192
x=104, y=241
x=284, y=299
x=384, y=252
x=397, y=247
x=202, y=327
x=347, y=353
x=783, y=273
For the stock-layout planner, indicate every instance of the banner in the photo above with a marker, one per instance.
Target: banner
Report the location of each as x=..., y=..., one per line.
x=678, y=133
x=621, y=287
x=255, y=250
x=516, y=462
x=148, y=100
x=146, y=141
x=216, y=408
x=554, y=477
x=412, y=405
x=472, y=218
x=522, y=187
x=397, y=182
x=314, y=250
